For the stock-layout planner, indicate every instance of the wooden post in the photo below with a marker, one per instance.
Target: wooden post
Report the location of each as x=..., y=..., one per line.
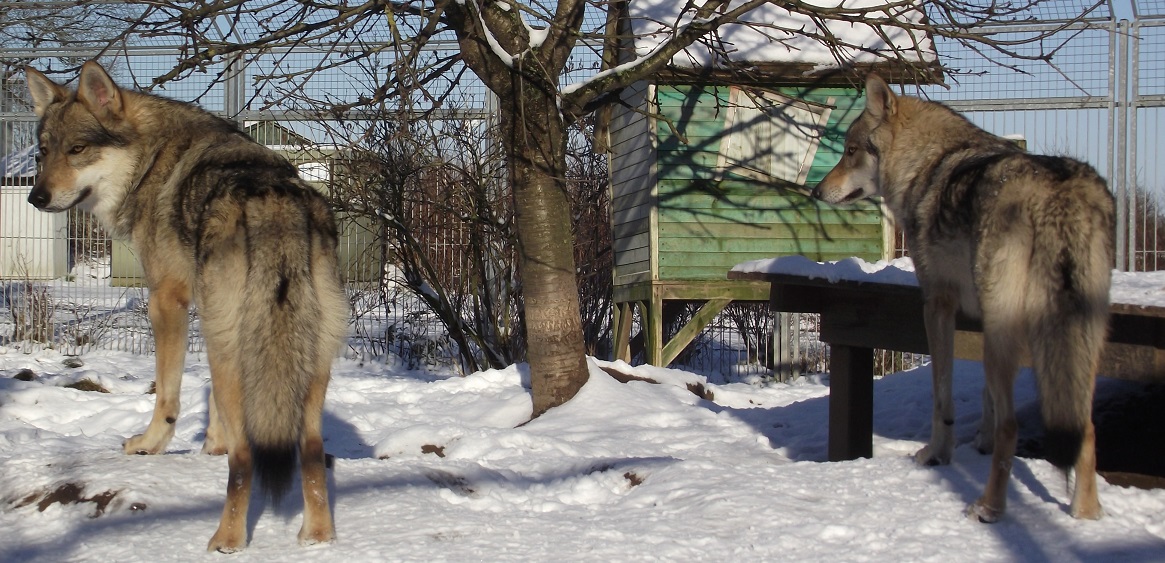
x=851, y=402
x=652, y=312
x=624, y=313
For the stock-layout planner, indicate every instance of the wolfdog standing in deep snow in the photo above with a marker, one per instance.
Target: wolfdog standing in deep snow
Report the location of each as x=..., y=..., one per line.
x=221, y=221
x=1022, y=242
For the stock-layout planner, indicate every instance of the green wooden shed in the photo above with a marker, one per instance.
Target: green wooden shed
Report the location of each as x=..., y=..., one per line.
x=708, y=171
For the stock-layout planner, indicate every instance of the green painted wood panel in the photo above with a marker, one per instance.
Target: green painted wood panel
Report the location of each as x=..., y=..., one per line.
x=733, y=233
x=712, y=269
x=709, y=221
x=702, y=121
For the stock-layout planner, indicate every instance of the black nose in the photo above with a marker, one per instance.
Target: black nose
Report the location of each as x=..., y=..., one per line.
x=816, y=193
x=39, y=197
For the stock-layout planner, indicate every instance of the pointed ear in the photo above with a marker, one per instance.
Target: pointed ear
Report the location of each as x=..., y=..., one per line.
x=881, y=102
x=98, y=92
x=44, y=92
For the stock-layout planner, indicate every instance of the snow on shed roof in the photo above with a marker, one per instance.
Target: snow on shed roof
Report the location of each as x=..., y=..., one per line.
x=778, y=36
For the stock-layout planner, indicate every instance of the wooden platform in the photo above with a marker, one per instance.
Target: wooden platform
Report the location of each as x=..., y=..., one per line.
x=857, y=317
x=649, y=297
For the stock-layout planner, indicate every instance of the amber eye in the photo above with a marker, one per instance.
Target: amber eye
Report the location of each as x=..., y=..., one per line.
x=851, y=150
x=76, y=149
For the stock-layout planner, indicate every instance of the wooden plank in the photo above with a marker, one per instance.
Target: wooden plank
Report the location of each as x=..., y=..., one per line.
x=652, y=313
x=703, y=111
x=632, y=293
x=631, y=242
x=693, y=291
x=623, y=318
x=633, y=256
x=632, y=228
x=724, y=261
x=712, y=289
x=1134, y=350
x=684, y=236
x=633, y=198
x=699, y=134
x=669, y=213
x=630, y=214
x=763, y=240
x=638, y=160
x=795, y=298
x=687, y=170
x=869, y=326
x=632, y=178
x=685, y=335
x=747, y=193
x=682, y=96
x=631, y=278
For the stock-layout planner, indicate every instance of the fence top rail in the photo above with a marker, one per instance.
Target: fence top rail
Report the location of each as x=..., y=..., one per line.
x=1082, y=102
x=1148, y=9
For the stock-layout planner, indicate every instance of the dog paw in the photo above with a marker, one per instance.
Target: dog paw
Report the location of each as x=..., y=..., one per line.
x=226, y=542
x=928, y=457
x=138, y=445
x=316, y=537
x=985, y=444
x=984, y=513
x=1092, y=512
x=209, y=448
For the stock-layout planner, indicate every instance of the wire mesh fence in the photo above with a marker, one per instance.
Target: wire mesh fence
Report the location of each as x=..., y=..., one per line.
x=64, y=283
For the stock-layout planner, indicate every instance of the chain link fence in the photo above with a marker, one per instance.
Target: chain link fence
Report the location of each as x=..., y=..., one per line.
x=65, y=284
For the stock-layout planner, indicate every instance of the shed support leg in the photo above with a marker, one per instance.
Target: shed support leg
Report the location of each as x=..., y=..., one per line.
x=851, y=402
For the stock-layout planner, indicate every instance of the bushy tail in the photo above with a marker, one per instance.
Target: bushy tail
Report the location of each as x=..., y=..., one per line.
x=1069, y=317
x=280, y=348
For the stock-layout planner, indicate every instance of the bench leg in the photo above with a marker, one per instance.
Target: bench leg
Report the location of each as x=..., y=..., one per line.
x=851, y=402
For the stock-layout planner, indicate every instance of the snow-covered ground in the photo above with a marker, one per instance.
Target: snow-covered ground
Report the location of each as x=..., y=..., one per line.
x=435, y=467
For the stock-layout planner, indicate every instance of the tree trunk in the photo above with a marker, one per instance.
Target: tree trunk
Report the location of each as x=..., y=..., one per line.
x=535, y=139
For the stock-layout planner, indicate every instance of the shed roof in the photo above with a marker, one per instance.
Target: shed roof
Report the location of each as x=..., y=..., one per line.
x=778, y=41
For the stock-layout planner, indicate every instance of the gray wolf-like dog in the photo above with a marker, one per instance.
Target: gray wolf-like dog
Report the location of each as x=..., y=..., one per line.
x=1020, y=241
x=223, y=222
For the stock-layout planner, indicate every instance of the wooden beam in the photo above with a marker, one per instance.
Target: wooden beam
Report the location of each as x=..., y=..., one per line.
x=652, y=314
x=624, y=315
x=689, y=331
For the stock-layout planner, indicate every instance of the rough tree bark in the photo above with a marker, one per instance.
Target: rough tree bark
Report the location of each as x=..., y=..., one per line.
x=534, y=134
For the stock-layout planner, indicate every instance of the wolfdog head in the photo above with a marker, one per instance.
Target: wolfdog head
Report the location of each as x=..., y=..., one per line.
x=857, y=176
x=87, y=156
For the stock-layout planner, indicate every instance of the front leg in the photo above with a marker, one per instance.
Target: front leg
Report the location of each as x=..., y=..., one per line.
x=168, y=306
x=939, y=316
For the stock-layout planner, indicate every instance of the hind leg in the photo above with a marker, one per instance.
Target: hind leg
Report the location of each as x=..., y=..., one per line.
x=219, y=310
x=939, y=315
x=317, y=516
x=1000, y=362
x=318, y=526
x=1085, y=501
x=231, y=535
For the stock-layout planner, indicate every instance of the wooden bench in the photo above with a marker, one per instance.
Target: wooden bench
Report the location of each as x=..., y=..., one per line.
x=857, y=317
